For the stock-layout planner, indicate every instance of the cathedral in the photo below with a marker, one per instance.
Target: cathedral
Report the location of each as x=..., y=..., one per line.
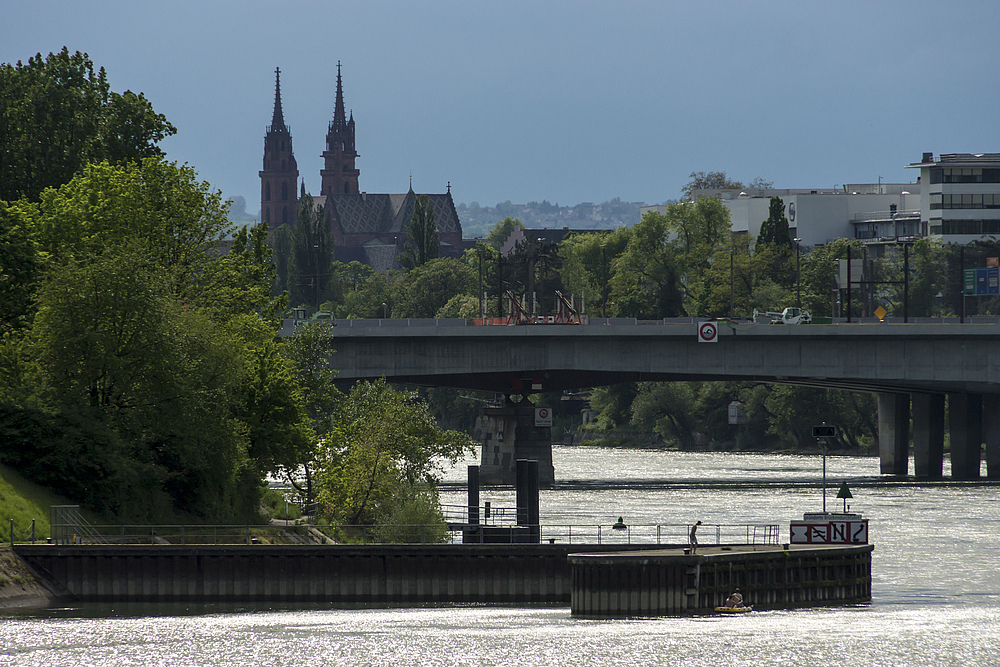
x=369, y=228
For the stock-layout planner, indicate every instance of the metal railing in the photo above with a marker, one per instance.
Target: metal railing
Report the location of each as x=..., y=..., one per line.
x=303, y=533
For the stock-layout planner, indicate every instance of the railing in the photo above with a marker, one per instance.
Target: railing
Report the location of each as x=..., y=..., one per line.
x=885, y=215
x=301, y=533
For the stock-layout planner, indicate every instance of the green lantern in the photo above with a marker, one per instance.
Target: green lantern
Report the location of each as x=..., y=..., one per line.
x=844, y=493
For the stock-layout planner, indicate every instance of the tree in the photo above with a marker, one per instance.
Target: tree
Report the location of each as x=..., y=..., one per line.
x=717, y=180
x=501, y=231
x=426, y=289
x=20, y=267
x=421, y=236
x=383, y=442
x=178, y=223
x=312, y=255
x=774, y=230
x=58, y=116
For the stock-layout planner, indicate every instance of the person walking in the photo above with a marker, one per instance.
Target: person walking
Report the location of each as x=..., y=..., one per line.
x=693, y=537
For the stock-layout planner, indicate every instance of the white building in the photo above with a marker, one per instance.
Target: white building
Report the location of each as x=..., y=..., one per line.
x=877, y=213
x=960, y=198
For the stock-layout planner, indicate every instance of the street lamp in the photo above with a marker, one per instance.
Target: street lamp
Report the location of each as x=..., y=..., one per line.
x=385, y=312
x=798, y=275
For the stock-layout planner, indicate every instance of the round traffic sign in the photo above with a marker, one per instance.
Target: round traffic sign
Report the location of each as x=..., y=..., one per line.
x=708, y=332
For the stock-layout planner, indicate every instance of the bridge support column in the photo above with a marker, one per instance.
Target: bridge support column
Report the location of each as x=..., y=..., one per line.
x=991, y=434
x=511, y=434
x=928, y=435
x=893, y=433
x=965, y=425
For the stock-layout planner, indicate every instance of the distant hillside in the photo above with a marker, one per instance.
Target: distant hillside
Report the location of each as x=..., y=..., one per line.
x=477, y=221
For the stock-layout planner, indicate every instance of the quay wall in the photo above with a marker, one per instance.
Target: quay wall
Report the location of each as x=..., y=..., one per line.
x=538, y=573
x=672, y=582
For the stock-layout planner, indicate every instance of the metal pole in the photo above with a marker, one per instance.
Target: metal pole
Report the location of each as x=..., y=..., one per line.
x=848, y=284
x=823, y=445
x=732, y=289
x=906, y=284
x=961, y=281
x=798, y=276
x=604, y=282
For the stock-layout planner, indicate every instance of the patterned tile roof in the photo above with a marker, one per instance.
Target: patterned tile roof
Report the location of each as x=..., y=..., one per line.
x=390, y=213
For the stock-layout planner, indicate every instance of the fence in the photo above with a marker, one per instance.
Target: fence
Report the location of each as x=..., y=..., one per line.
x=611, y=534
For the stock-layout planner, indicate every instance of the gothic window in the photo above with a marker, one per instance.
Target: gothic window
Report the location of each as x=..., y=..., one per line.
x=267, y=192
x=284, y=191
x=346, y=188
x=284, y=215
x=282, y=165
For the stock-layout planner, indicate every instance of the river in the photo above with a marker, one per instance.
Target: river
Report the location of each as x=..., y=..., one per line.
x=935, y=596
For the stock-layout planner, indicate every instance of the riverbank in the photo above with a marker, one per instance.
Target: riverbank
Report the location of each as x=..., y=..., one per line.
x=18, y=587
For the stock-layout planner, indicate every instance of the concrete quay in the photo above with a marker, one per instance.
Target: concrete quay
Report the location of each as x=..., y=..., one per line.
x=674, y=582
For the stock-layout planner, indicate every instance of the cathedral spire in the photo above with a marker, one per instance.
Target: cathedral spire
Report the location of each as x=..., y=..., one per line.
x=339, y=117
x=278, y=119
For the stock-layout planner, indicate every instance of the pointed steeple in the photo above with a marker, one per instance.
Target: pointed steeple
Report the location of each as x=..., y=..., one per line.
x=278, y=119
x=339, y=117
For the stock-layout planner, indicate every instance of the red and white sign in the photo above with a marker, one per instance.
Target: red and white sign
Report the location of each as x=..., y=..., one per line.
x=708, y=332
x=830, y=532
x=543, y=417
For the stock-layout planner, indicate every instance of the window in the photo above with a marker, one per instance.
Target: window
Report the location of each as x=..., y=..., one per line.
x=267, y=192
x=284, y=191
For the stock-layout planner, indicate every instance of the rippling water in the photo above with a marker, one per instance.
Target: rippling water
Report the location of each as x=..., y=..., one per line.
x=936, y=591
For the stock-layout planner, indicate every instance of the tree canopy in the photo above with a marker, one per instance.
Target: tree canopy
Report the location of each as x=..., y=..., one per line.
x=59, y=115
x=421, y=236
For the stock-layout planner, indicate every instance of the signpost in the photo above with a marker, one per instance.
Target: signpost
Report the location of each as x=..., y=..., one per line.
x=708, y=332
x=821, y=433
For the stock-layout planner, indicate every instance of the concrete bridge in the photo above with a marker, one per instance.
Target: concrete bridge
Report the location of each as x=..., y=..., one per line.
x=916, y=365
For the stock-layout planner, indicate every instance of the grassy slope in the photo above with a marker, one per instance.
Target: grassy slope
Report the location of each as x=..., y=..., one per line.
x=23, y=501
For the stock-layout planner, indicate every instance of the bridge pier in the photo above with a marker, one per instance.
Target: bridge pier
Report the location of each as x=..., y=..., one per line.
x=965, y=425
x=511, y=434
x=928, y=435
x=893, y=433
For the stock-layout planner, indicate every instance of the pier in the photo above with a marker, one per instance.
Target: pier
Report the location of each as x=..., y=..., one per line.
x=672, y=582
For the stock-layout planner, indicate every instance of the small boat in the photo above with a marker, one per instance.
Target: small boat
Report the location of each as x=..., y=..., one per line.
x=733, y=610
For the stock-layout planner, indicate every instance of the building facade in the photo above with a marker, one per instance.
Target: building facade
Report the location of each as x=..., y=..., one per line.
x=960, y=198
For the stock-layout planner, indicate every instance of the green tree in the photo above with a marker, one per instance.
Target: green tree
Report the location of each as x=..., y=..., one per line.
x=384, y=441
x=774, y=230
x=312, y=255
x=179, y=223
x=425, y=290
x=501, y=231
x=20, y=267
x=421, y=236
x=717, y=180
x=59, y=115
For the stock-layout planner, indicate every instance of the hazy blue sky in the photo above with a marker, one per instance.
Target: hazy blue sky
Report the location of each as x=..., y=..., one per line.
x=565, y=101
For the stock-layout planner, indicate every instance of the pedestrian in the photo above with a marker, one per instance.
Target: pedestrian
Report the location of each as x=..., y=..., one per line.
x=692, y=537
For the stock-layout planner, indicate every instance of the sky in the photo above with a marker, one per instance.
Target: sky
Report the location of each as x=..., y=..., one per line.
x=562, y=101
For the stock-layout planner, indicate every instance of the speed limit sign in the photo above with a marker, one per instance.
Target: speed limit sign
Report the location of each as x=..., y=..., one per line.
x=708, y=332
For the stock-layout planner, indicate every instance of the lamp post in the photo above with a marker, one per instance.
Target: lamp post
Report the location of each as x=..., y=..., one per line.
x=798, y=275
x=385, y=311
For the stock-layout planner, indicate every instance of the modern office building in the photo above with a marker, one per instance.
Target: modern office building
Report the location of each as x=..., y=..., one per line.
x=960, y=197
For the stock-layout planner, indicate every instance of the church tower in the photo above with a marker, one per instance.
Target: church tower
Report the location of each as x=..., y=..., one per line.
x=278, y=201
x=339, y=176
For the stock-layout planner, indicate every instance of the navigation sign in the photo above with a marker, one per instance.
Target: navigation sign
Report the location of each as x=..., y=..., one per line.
x=543, y=417
x=824, y=431
x=708, y=332
x=849, y=530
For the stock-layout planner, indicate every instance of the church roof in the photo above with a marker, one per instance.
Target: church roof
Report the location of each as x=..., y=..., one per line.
x=390, y=213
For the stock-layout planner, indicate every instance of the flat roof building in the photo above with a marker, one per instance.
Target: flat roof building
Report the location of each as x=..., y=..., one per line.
x=960, y=197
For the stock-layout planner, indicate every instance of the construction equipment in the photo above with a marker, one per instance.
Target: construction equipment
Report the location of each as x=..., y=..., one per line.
x=787, y=316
